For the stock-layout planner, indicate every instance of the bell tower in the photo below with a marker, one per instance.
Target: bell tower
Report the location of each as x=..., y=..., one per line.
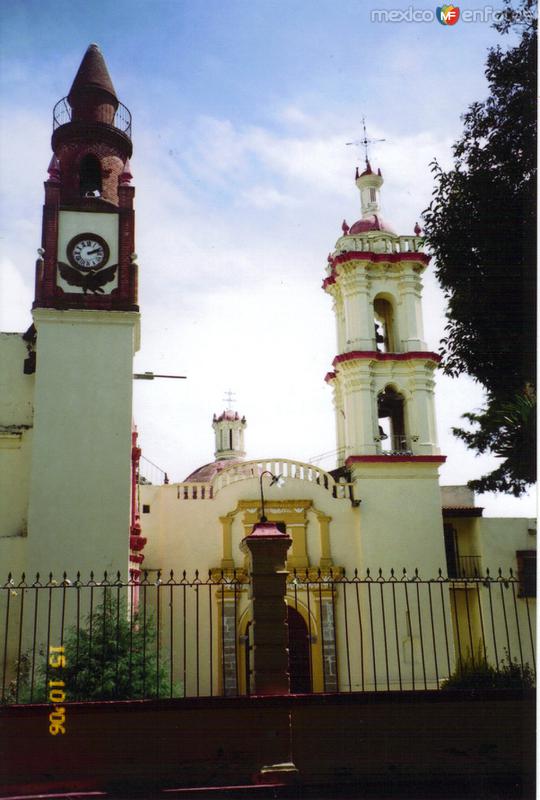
x=229, y=430
x=86, y=321
x=383, y=380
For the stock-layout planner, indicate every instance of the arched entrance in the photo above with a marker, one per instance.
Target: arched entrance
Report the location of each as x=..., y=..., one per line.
x=299, y=671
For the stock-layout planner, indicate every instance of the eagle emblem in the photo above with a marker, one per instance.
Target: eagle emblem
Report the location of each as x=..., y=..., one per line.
x=92, y=280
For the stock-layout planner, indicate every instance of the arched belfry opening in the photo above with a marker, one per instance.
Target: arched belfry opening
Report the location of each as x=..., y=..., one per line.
x=385, y=335
x=391, y=421
x=90, y=176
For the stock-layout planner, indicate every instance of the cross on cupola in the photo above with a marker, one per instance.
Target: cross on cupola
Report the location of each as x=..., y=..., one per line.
x=365, y=142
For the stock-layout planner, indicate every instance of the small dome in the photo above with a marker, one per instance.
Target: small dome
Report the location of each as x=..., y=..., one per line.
x=208, y=471
x=371, y=223
x=228, y=414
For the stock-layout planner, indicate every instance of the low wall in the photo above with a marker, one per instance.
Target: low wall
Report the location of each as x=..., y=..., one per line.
x=363, y=738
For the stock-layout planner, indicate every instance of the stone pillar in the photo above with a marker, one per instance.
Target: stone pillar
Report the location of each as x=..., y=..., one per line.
x=329, y=643
x=228, y=632
x=267, y=548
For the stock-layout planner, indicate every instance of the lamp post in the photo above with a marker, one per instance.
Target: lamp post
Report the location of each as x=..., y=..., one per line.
x=273, y=480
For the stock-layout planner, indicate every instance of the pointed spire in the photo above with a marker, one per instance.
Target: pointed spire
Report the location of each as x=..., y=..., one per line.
x=126, y=177
x=417, y=229
x=368, y=170
x=345, y=227
x=54, y=170
x=92, y=75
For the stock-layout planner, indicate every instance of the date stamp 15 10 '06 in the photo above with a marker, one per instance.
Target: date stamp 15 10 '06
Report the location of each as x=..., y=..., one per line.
x=57, y=694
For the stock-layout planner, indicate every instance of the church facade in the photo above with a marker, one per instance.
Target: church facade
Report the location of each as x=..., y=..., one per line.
x=71, y=500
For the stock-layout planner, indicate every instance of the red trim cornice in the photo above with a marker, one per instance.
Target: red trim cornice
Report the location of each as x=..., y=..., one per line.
x=375, y=355
x=374, y=258
x=329, y=376
x=394, y=459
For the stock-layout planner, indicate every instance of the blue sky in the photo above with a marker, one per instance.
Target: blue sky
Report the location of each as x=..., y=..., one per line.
x=241, y=113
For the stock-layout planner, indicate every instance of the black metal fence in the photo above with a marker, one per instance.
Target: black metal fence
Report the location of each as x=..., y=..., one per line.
x=169, y=635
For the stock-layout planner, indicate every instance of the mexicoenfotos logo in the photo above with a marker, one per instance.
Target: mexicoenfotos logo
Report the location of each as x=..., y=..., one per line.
x=447, y=15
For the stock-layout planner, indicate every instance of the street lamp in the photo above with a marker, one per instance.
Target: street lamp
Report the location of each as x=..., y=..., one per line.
x=274, y=479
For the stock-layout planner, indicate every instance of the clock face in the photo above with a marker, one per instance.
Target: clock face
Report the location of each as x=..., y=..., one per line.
x=88, y=251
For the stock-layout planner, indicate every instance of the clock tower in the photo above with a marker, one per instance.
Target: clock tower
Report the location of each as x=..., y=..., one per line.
x=86, y=324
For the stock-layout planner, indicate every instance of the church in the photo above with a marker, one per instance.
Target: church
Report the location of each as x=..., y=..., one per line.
x=73, y=499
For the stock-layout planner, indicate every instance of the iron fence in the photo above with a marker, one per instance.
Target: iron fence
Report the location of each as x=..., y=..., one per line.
x=404, y=632
x=167, y=635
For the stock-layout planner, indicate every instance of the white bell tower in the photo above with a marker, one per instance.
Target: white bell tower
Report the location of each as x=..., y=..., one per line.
x=229, y=430
x=383, y=377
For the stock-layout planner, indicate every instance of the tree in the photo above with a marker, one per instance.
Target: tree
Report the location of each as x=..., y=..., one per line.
x=113, y=655
x=481, y=227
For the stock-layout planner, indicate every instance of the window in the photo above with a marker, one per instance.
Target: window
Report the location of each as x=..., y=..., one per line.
x=384, y=325
x=372, y=195
x=391, y=422
x=526, y=561
x=451, y=549
x=90, y=176
x=146, y=509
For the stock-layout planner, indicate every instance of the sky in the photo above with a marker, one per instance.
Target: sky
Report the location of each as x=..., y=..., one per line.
x=241, y=114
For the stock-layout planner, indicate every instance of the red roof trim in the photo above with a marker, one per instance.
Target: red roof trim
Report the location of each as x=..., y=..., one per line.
x=375, y=355
x=394, y=459
x=329, y=376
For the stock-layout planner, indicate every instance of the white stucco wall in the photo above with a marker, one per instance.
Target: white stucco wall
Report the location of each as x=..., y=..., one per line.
x=16, y=420
x=79, y=511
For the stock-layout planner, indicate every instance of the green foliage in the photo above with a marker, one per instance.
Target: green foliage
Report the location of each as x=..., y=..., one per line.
x=476, y=673
x=111, y=656
x=481, y=227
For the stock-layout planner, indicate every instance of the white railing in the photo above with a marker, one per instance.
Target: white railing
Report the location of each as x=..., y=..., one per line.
x=253, y=469
x=381, y=243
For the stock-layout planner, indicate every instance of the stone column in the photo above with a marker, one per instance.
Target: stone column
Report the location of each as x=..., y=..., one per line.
x=267, y=548
x=228, y=633
x=329, y=643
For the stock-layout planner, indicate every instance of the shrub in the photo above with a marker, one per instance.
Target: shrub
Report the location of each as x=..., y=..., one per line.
x=476, y=673
x=111, y=656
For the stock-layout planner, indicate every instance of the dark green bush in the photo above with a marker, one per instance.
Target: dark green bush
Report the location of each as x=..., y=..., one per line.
x=476, y=673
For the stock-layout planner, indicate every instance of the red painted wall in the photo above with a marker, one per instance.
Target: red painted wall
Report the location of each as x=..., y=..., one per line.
x=388, y=738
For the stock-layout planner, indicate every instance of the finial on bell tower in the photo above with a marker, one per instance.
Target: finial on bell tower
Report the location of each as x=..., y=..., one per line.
x=368, y=182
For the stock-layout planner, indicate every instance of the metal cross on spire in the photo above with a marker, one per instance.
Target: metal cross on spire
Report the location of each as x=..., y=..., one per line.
x=364, y=141
x=229, y=399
